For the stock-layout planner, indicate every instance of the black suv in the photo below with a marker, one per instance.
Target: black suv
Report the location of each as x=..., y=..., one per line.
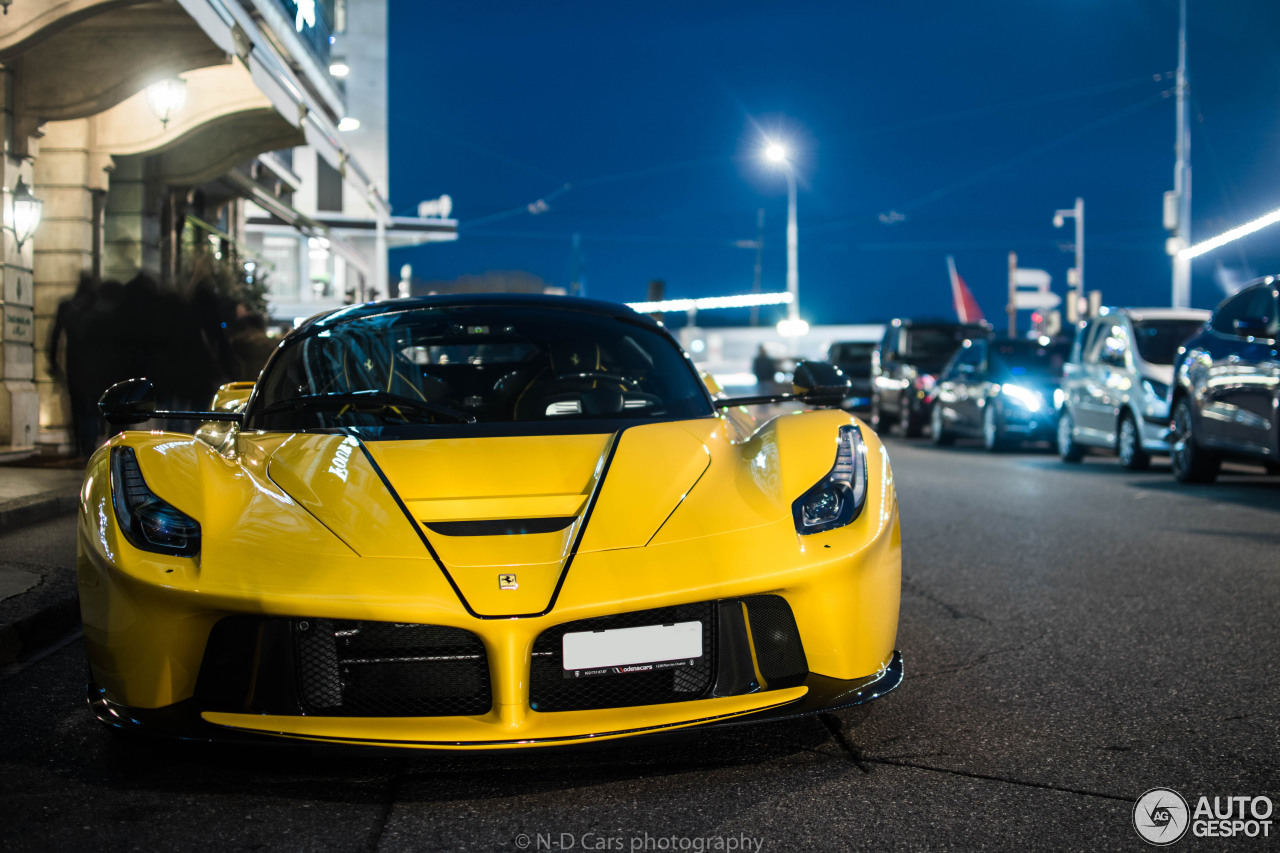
x=1227, y=387
x=854, y=360
x=905, y=368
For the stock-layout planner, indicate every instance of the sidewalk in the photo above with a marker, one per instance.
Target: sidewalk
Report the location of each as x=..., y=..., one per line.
x=37, y=602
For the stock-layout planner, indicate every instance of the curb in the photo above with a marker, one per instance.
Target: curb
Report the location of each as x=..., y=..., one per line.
x=49, y=612
x=20, y=512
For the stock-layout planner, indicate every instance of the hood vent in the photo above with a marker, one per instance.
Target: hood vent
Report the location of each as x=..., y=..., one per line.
x=500, y=527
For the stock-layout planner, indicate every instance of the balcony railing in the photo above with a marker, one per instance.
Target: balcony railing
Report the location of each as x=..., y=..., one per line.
x=313, y=20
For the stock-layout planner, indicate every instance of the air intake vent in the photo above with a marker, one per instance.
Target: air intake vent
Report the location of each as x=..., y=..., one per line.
x=776, y=638
x=500, y=527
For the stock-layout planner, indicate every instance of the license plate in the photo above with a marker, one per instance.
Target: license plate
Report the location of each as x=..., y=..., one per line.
x=625, y=650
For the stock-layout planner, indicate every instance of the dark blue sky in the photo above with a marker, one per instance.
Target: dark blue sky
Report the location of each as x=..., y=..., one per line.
x=974, y=120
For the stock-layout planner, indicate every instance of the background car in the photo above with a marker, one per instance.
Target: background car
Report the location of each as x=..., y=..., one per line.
x=1227, y=387
x=905, y=368
x=485, y=521
x=1115, y=387
x=999, y=390
x=854, y=360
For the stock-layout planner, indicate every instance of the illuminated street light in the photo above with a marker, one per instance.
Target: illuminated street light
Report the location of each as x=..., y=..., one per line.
x=796, y=328
x=348, y=123
x=745, y=300
x=26, y=213
x=1227, y=236
x=166, y=97
x=775, y=153
x=339, y=69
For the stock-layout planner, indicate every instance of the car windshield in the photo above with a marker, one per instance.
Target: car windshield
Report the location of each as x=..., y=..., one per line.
x=1158, y=340
x=470, y=365
x=930, y=347
x=853, y=358
x=1012, y=359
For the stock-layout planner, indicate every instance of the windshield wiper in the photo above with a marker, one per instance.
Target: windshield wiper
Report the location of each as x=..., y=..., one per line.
x=383, y=399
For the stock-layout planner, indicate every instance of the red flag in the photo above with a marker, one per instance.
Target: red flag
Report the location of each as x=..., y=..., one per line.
x=967, y=309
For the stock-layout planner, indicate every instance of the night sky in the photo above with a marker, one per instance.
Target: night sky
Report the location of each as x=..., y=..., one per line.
x=974, y=121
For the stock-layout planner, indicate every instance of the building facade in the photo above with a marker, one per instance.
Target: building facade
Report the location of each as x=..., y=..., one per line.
x=161, y=133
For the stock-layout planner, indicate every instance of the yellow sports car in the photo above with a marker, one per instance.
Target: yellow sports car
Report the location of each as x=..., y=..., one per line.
x=476, y=522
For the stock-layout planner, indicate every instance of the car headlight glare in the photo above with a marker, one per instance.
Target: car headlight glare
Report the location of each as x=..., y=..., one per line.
x=149, y=523
x=837, y=498
x=1024, y=397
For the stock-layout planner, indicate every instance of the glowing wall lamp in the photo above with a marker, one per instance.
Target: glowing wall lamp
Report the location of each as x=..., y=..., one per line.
x=26, y=213
x=166, y=97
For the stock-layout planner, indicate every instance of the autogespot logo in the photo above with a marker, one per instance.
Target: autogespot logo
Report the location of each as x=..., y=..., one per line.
x=1160, y=816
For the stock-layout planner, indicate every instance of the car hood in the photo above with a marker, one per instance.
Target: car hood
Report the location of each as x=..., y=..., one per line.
x=1162, y=373
x=493, y=506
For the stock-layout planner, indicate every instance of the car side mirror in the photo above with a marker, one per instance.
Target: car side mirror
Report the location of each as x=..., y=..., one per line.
x=129, y=402
x=820, y=383
x=1250, y=327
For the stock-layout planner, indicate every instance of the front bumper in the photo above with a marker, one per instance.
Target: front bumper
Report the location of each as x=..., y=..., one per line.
x=1031, y=426
x=185, y=721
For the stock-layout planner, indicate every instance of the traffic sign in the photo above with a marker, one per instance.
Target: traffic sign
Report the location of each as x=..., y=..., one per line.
x=1025, y=300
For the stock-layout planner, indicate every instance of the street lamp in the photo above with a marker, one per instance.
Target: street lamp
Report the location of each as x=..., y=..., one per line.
x=1075, y=277
x=26, y=213
x=793, y=326
x=166, y=97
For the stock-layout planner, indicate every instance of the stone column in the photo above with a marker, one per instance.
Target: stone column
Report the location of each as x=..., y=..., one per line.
x=67, y=172
x=19, y=400
x=132, y=222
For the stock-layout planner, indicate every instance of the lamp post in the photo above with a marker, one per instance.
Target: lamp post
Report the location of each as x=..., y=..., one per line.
x=793, y=326
x=1076, y=279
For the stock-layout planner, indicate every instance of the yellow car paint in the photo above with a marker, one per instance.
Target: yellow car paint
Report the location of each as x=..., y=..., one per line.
x=302, y=525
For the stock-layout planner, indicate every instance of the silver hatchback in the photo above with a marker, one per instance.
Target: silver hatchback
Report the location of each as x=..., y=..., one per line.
x=1115, y=385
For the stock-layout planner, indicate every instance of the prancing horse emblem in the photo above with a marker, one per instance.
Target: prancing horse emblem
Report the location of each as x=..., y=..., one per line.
x=507, y=582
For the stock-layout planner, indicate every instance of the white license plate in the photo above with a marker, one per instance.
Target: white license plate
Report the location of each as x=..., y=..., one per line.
x=632, y=647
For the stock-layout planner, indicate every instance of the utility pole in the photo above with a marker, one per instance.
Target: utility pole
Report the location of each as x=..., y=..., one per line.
x=578, y=276
x=1182, y=177
x=1075, y=277
x=759, y=271
x=1012, y=307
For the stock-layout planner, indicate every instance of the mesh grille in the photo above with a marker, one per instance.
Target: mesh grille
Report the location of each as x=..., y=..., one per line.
x=776, y=638
x=389, y=669
x=550, y=691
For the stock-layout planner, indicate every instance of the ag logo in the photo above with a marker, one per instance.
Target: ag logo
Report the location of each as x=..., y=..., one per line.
x=1161, y=816
x=507, y=582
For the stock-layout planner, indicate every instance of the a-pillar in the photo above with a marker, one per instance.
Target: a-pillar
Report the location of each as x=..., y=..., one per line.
x=19, y=400
x=67, y=175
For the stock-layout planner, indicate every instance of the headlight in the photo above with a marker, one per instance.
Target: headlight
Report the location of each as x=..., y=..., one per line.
x=1059, y=397
x=1024, y=397
x=837, y=498
x=149, y=523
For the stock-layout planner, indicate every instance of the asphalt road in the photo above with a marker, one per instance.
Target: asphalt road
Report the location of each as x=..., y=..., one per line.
x=1073, y=637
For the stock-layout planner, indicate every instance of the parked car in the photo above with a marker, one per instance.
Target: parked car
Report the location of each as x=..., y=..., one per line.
x=1001, y=391
x=1115, y=388
x=1227, y=387
x=905, y=368
x=854, y=360
x=485, y=521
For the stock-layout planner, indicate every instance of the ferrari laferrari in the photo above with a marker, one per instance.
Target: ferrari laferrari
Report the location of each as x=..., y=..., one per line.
x=480, y=522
